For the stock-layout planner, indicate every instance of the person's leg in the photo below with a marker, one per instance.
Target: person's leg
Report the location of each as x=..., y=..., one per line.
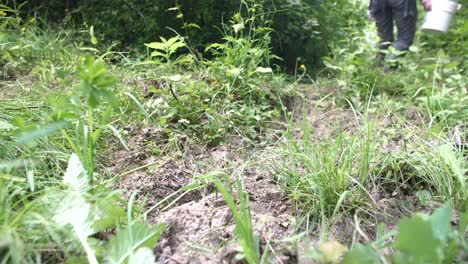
x=384, y=22
x=405, y=14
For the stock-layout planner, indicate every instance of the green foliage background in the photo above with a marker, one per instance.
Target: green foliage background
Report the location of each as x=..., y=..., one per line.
x=302, y=28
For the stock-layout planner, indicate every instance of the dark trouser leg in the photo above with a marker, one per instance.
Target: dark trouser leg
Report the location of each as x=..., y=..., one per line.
x=384, y=22
x=405, y=14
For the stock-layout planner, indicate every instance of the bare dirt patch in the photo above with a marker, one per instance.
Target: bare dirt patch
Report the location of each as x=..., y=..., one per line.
x=200, y=225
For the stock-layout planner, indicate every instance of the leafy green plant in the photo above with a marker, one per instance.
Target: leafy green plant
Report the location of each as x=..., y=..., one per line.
x=93, y=90
x=166, y=48
x=246, y=48
x=88, y=214
x=421, y=239
x=68, y=219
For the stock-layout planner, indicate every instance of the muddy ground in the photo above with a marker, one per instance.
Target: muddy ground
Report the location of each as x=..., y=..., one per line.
x=200, y=226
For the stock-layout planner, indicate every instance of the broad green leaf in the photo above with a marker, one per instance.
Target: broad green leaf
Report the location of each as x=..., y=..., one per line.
x=174, y=47
x=417, y=241
x=127, y=242
x=440, y=221
x=104, y=81
x=361, y=254
x=157, y=54
x=172, y=40
x=192, y=25
x=463, y=223
x=156, y=45
x=215, y=46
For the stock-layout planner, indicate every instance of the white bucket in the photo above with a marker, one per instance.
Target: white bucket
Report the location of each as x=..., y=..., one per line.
x=438, y=20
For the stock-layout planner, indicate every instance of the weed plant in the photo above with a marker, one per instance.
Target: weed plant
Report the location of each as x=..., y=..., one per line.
x=440, y=170
x=421, y=238
x=231, y=93
x=240, y=209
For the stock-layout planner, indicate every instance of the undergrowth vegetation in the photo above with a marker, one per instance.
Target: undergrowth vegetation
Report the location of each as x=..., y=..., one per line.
x=350, y=144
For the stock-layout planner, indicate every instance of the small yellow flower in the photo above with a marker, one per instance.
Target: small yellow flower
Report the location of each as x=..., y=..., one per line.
x=23, y=29
x=2, y=13
x=302, y=66
x=32, y=19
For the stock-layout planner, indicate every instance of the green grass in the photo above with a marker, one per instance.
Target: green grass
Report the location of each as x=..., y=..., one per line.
x=326, y=176
x=440, y=170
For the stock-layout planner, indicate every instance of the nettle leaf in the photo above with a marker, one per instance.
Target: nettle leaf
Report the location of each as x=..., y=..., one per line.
x=94, y=83
x=128, y=241
x=28, y=135
x=361, y=254
x=417, y=241
x=440, y=221
x=96, y=96
x=104, y=81
x=463, y=223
